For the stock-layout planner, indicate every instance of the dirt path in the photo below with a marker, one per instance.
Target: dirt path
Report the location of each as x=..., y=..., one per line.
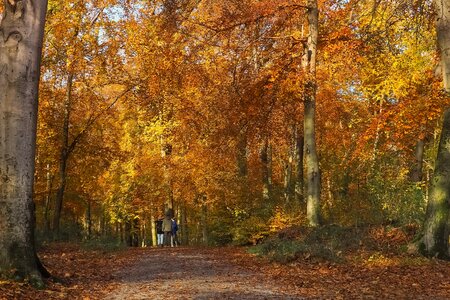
x=187, y=273
x=229, y=273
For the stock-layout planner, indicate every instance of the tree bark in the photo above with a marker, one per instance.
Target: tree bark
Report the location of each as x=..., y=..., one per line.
x=21, y=30
x=416, y=171
x=309, y=99
x=435, y=231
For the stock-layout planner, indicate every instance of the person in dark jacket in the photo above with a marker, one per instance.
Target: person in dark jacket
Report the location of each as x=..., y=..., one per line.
x=159, y=232
x=174, y=241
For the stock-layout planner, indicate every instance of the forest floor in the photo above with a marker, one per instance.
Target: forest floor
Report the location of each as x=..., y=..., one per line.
x=229, y=273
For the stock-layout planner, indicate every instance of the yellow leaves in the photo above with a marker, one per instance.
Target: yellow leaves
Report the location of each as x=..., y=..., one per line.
x=279, y=220
x=297, y=34
x=112, y=90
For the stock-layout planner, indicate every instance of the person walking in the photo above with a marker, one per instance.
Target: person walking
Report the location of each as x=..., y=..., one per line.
x=174, y=240
x=159, y=232
x=167, y=229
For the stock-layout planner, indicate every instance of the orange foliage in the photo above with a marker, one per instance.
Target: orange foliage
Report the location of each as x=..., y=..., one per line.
x=211, y=81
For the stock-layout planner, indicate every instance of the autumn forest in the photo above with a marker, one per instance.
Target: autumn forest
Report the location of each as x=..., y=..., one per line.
x=241, y=118
x=199, y=107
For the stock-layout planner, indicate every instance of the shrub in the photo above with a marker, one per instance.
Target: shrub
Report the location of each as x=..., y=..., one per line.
x=323, y=243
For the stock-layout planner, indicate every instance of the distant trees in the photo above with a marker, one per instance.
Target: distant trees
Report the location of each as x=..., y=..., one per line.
x=241, y=115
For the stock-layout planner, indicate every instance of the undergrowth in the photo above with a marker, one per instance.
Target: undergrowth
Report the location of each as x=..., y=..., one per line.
x=330, y=242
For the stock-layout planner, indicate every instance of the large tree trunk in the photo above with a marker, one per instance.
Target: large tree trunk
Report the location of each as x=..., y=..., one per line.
x=22, y=29
x=309, y=99
x=443, y=38
x=435, y=231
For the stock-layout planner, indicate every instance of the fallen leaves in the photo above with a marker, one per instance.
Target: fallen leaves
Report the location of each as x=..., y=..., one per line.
x=91, y=274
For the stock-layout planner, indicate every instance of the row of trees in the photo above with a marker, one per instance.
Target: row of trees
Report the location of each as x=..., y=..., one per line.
x=240, y=116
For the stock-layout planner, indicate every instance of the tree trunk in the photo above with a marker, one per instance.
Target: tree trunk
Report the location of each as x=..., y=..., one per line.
x=121, y=233
x=103, y=223
x=48, y=201
x=290, y=167
x=153, y=228
x=299, y=166
x=64, y=157
x=443, y=38
x=288, y=178
x=416, y=171
x=309, y=99
x=435, y=231
x=127, y=233
x=88, y=220
x=184, y=226
x=166, y=151
x=22, y=29
x=204, y=221
x=266, y=158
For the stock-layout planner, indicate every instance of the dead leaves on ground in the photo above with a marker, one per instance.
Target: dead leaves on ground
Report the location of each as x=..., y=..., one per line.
x=86, y=274
x=78, y=274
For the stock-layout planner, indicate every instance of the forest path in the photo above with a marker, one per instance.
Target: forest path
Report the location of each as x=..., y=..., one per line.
x=229, y=273
x=194, y=273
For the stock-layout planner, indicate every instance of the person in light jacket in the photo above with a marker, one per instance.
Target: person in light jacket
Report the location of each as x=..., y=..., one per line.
x=167, y=229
